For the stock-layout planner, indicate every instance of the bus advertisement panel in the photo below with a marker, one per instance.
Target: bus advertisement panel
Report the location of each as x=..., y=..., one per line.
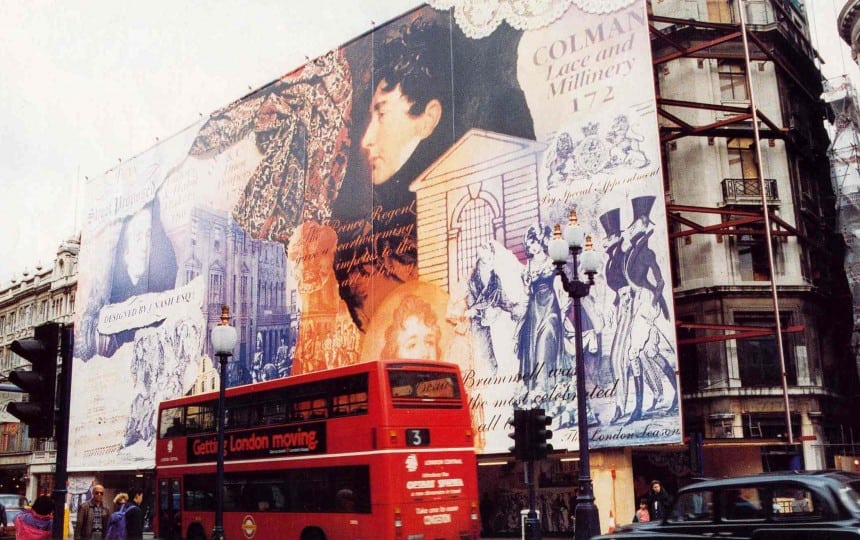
x=394, y=198
x=375, y=450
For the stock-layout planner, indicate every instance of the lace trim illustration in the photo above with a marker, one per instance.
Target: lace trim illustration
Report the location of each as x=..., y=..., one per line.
x=479, y=18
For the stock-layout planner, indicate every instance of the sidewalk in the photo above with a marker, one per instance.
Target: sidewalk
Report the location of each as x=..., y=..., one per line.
x=149, y=536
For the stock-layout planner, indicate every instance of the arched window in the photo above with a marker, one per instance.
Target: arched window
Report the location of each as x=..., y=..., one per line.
x=475, y=224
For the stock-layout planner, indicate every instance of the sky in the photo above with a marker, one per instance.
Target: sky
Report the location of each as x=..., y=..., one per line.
x=87, y=83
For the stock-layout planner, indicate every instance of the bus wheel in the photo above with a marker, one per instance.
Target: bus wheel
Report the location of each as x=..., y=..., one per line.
x=313, y=533
x=195, y=532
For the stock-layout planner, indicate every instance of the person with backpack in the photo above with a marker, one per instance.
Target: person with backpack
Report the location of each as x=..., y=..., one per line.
x=116, y=523
x=37, y=522
x=134, y=516
x=118, y=501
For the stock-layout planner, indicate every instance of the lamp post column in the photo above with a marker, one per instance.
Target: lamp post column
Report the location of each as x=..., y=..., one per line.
x=218, y=530
x=587, y=518
x=223, y=342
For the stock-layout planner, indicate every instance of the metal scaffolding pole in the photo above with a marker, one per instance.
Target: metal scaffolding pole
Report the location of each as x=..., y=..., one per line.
x=766, y=215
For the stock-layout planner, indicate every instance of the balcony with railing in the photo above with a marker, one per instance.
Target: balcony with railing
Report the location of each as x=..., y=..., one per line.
x=747, y=191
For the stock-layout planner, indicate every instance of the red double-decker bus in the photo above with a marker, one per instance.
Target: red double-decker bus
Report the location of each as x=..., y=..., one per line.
x=376, y=450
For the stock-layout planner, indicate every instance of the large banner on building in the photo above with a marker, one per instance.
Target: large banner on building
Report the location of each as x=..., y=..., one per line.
x=395, y=198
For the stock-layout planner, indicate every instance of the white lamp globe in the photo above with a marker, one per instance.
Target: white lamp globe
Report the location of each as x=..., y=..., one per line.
x=591, y=262
x=223, y=336
x=558, y=250
x=223, y=340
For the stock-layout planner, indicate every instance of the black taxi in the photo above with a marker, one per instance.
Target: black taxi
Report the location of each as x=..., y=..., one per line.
x=808, y=505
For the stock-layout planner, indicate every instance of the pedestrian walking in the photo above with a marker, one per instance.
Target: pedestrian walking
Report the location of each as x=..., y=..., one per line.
x=659, y=501
x=642, y=515
x=37, y=522
x=93, y=516
x=134, y=516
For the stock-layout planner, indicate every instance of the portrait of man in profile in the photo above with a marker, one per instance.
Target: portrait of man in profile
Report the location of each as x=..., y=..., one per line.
x=408, y=125
x=418, y=86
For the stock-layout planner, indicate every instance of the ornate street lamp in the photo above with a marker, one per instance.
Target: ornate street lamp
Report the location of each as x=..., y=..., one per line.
x=223, y=343
x=574, y=243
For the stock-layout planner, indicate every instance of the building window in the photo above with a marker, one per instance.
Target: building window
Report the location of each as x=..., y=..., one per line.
x=215, y=281
x=733, y=80
x=720, y=11
x=692, y=369
x=752, y=254
x=769, y=425
x=758, y=359
x=742, y=163
x=476, y=227
x=674, y=254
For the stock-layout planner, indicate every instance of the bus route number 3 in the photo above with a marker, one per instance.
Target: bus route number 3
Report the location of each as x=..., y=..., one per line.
x=417, y=437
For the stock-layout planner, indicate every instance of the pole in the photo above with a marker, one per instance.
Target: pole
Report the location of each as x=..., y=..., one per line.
x=218, y=530
x=587, y=518
x=61, y=432
x=767, y=232
x=532, y=521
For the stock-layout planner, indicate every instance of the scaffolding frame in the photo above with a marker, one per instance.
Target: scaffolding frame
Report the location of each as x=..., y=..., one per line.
x=740, y=121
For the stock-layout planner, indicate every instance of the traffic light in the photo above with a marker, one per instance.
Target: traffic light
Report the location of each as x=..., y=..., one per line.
x=539, y=435
x=521, y=447
x=40, y=382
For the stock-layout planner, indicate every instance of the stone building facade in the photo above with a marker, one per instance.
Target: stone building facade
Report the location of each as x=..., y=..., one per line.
x=44, y=295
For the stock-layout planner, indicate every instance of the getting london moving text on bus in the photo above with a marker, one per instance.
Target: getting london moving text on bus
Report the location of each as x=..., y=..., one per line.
x=377, y=450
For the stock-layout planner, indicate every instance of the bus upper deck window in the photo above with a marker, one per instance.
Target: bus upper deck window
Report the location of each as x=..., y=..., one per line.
x=423, y=384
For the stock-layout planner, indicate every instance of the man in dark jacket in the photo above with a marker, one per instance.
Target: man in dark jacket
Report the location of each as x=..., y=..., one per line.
x=134, y=516
x=92, y=516
x=659, y=501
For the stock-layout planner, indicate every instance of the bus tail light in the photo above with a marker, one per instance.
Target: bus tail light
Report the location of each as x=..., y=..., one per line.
x=392, y=435
x=474, y=512
x=398, y=522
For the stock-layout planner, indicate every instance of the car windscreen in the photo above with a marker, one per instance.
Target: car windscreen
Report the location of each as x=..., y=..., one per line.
x=10, y=500
x=850, y=495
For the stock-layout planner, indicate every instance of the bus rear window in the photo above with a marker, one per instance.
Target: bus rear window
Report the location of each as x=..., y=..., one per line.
x=422, y=387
